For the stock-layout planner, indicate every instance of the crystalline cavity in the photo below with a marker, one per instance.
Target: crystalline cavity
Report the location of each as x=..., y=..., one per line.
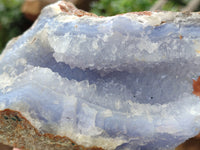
x=112, y=82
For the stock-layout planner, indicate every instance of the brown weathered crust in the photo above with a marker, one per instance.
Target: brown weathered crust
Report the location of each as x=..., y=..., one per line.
x=17, y=131
x=190, y=144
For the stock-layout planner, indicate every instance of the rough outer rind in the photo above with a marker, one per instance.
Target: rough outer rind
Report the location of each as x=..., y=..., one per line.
x=17, y=131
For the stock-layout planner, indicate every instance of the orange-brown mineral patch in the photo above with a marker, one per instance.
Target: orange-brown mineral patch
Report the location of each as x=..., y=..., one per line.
x=70, y=9
x=196, y=87
x=146, y=13
x=17, y=131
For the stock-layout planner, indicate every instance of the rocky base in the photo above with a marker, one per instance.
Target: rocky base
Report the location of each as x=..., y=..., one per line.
x=18, y=132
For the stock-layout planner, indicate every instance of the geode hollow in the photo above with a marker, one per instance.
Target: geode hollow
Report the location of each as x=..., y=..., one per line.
x=78, y=81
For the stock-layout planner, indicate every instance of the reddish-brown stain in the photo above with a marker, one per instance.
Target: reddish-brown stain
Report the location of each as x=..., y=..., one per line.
x=33, y=40
x=146, y=13
x=72, y=10
x=63, y=8
x=140, y=13
x=196, y=87
x=181, y=37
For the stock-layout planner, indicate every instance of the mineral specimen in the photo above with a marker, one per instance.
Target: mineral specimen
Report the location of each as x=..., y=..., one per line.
x=78, y=81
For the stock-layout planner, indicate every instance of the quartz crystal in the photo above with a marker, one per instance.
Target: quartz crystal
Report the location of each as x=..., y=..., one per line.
x=78, y=81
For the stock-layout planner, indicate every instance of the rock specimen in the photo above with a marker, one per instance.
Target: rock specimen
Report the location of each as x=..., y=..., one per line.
x=78, y=81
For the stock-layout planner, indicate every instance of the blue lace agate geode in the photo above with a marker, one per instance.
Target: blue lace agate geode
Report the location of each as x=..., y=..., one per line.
x=112, y=82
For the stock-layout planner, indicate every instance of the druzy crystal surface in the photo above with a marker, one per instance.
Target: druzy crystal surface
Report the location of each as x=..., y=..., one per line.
x=121, y=82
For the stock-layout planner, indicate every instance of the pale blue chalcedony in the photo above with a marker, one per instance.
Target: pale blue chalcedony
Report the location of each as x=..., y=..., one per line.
x=114, y=82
